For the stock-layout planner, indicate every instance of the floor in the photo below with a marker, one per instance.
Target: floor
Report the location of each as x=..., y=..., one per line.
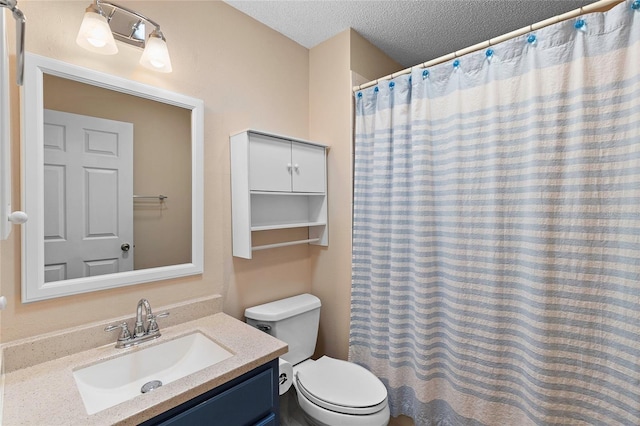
x=290, y=412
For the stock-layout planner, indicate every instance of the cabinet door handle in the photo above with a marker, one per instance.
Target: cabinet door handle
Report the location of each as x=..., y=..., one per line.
x=296, y=167
x=289, y=166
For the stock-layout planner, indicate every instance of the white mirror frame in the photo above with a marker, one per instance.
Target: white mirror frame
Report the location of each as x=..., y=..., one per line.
x=34, y=287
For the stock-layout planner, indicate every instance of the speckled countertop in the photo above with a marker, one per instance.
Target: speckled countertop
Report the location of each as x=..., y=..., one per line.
x=46, y=393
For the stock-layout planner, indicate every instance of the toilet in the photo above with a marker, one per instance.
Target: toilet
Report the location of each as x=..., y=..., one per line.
x=331, y=392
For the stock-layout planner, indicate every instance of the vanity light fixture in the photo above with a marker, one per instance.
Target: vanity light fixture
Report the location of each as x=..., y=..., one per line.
x=104, y=22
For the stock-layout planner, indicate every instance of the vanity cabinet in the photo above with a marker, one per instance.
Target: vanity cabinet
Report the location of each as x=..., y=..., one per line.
x=249, y=400
x=277, y=182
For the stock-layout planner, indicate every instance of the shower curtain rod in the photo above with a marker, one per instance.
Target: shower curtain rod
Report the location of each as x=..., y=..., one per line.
x=492, y=42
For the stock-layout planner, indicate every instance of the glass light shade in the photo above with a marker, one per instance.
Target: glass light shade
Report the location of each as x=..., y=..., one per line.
x=156, y=55
x=95, y=34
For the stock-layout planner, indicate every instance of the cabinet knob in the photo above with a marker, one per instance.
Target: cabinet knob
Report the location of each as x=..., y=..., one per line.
x=289, y=166
x=296, y=167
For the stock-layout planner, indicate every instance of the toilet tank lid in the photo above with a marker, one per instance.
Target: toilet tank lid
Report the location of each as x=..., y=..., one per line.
x=284, y=308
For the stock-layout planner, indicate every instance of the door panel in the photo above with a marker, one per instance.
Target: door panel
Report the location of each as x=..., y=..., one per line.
x=88, y=195
x=101, y=143
x=54, y=137
x=55, y=272
x=55, y=200
x=101, y=215
x=269, y=161
x=308, y=168
x=101, y=267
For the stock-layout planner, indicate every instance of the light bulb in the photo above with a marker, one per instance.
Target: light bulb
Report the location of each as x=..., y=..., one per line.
x=156, y=55
x=95, y=34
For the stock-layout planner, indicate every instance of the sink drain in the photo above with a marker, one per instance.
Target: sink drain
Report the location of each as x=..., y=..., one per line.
x=149, y=386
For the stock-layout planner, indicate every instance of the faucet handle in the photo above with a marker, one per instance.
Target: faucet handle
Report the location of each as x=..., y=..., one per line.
x=153, y=325
x=124, y=333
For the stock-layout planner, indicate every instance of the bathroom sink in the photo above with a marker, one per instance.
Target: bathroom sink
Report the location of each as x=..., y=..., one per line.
x=119, y=379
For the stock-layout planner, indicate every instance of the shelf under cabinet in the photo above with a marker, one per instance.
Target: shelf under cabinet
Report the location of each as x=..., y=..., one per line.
x=275, y=193
x=268, y=227
x=279, y=211
x=285, y=244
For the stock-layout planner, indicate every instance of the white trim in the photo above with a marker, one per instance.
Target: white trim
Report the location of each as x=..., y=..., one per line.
x=33, y=286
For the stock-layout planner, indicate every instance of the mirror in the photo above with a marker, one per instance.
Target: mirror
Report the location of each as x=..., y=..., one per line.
x=112, y=181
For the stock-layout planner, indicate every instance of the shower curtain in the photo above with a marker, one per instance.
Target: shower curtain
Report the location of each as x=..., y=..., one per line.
x=496, y=231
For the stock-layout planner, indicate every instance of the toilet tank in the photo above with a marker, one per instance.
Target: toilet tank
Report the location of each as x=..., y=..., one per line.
x=293, y=320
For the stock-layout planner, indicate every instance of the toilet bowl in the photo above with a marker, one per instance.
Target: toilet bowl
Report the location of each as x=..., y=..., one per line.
x=331, y=392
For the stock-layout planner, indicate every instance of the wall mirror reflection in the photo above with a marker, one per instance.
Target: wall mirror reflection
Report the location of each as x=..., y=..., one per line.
x=113, y=181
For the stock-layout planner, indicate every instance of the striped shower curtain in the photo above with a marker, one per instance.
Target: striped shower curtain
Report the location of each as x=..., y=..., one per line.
x=496, y=234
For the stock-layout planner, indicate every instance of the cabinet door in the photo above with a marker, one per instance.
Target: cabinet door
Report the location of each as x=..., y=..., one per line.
x=241, y=405
x=308, y=168
x=269, y=164
x=270, y=420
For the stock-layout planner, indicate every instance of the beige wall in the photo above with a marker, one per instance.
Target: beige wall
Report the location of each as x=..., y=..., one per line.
x=161, y=164
x=249, y=76
x=369, y=61
x=333, y=64
x=328, y=122
x=330, y=67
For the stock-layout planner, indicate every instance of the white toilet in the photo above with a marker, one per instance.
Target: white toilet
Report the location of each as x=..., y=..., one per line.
x=331, y=392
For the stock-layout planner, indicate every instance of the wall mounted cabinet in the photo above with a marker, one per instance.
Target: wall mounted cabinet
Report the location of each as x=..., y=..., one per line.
x=277, y=182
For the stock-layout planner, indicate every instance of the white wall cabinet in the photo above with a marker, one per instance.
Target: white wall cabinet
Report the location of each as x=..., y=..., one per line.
x=277, y=182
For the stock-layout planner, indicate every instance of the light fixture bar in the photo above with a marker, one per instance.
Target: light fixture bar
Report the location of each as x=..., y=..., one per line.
x=127, y=31
x=129, y=11
x=135, y=37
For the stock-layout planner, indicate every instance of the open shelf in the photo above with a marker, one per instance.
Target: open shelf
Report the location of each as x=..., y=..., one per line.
x=321, y=194
x=285, y=244
x=286, y=226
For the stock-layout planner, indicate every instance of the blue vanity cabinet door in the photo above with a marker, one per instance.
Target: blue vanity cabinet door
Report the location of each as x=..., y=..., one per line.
x=250, y=400
x=270, y=420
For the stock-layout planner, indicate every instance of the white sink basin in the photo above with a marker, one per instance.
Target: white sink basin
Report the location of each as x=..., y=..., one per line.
x=114, y=381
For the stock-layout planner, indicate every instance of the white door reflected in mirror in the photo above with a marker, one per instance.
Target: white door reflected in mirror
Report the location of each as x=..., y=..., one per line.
x=88, y=195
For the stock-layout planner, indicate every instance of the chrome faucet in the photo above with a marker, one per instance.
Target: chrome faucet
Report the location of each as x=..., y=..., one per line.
x=140, y=334
x=139, y=329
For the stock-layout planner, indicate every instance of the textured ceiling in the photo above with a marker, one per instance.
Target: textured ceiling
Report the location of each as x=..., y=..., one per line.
x=410, y=32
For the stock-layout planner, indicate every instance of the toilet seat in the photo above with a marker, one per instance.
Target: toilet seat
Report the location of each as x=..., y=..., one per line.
x=341, y=386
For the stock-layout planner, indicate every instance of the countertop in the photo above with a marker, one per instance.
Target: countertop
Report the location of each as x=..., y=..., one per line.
x=46, y=393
